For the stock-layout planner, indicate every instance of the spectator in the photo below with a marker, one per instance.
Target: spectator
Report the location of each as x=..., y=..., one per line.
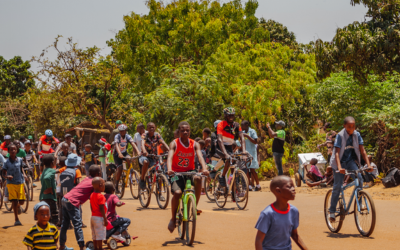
x=277, y=146
x=48, y=192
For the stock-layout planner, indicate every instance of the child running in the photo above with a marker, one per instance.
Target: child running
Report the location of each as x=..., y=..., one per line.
x=280, y=220
x=98, y=206
x=43, y=235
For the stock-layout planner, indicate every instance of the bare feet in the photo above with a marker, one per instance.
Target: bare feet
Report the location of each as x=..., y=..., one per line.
x=171, y=225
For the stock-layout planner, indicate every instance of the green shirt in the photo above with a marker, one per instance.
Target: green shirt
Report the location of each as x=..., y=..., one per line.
x=48, y=180
x=281, y=134
x=21, y=153
x=110, y=157
x=102, y=152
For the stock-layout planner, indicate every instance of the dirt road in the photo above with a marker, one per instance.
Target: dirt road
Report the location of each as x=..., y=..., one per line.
x=227, y=228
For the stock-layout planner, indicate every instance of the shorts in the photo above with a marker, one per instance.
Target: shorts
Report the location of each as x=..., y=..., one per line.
x=180, y=184
x=151, y=161
x=118, y=161
x=16, y=192
x=98, y=228
x=220, y=154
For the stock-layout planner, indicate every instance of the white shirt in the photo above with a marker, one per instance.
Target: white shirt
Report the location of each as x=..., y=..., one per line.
x=138, y=140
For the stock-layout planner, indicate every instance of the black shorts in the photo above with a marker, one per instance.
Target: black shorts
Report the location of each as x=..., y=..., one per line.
x=180, y=184
x=118, y=161
x=220, y=154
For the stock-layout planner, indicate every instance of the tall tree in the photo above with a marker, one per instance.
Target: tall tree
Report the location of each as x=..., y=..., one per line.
x=15, y=77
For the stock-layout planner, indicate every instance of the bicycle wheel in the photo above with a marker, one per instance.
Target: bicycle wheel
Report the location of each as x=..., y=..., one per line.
x=121, y=186
x=30, y=188
x=334, y=227
x=134, y=179
x=219, y=193
x=145, y=195
x=241, y=190
x=366, y=217
x=180, y=224
x=209, y=185
x=8, y=204
x=24, y=207
x=1, y=197
x=191, y=220
x=162, y=191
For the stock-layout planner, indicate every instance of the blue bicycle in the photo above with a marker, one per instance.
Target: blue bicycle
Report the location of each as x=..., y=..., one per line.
x=364, y=208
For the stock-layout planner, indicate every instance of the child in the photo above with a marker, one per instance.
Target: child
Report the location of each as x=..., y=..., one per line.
x=280, y=220
x=48, y=191
x=43, y=235
x=314, y=174
x=98, y=206
x=13, y=172
x=88, y=155
x=110, y=161
x=120, y=224
x=102, y=156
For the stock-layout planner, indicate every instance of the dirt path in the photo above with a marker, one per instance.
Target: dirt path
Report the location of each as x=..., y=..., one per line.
x=228, y=228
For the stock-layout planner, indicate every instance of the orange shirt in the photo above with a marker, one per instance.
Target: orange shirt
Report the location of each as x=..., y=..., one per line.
x=78, y=173
x=183, y=159
x=228, y=132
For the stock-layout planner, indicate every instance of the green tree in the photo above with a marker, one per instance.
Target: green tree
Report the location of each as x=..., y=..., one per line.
x=15, y=77
x=369, y=47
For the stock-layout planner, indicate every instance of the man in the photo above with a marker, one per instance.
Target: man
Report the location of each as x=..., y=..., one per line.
x=151, y=140
x=277, y=145
x=250, y=137
x=46, y=141
x=181, y=159
x=227, y=132
x=137, y=138
x=71, y=145
x=115, y=131
x=4, y=145
x=349, y=146
x=22, y=142
x=121, y=144
x=330, y=138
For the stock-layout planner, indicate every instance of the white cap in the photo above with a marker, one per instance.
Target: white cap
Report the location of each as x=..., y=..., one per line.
x=7, y=137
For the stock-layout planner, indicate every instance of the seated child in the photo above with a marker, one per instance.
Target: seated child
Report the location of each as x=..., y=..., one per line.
x=327, y=180
x=98, y=206
x=279, y=221
x=120, y=224
x=314, y=174
x=43, y=235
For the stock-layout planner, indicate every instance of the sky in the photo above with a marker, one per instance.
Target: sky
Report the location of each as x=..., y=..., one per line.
x=29, y=26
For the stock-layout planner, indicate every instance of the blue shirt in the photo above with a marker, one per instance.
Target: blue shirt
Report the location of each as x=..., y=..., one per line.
x=277, y=227
x=14, y=169
x=122, y=142
x=349, y=154
x=251, y=148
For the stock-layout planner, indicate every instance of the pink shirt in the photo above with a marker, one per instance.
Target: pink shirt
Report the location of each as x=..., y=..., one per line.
x=81, y=193
x=314, y=169
x=111, y=200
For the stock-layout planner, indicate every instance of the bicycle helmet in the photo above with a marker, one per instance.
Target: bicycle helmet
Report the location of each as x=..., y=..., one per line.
x=229, y=111
x=122, y=127
x=48, y=132
x=281, y=123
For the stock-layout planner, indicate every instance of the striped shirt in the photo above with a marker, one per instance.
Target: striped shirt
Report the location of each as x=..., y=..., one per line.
x=39, y=238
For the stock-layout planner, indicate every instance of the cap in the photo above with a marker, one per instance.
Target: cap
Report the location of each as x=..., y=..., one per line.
x=118, y=122
x=30, y=137
x=103, y=141
x=27, y=142
x=73, y=160
x=108, y=147
x=37, y=206
x=7, y=137
x=67, y=135
x=281, y=123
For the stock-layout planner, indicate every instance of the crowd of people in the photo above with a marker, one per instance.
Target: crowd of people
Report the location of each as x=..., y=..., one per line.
x=63, y=193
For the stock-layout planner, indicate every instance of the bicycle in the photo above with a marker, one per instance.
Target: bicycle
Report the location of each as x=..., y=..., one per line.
x=29, y=173
x=363, y=207
x=120, y=186
x=186, y=215
x=155, y=178
x=238, y=185
x=209, y=185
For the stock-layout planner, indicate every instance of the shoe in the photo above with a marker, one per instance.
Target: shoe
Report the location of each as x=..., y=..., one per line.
x=222, y=181
x=5, y=199
x=250, y=188
x=117, y=191
x=142, y=184
x=17, y=223
x=70, y=248
x=119, y=237
x=34, y=185
x=258, y=189
x=162, y=198
x=332, y=217
x=83, y=226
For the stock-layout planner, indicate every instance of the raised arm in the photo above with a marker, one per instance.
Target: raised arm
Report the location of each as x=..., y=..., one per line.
x=271, y=133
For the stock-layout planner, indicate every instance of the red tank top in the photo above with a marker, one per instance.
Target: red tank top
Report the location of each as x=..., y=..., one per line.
x=183, y=159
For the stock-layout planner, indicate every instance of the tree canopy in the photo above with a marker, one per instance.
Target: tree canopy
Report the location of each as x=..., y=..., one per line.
x=15, y=77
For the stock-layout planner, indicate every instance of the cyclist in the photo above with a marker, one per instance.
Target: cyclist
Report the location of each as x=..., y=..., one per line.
x=30, y=157
x=151, y=140
x=71, y=145
x=227, y=132
x=121, y=144
x=46, y=141
x=4, y=145
x=181, y=159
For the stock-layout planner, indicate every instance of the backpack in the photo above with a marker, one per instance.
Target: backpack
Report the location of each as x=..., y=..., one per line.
x=67, y=179
x=392, y=178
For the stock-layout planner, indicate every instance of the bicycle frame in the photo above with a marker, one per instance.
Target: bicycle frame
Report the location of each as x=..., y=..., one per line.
x=356, y=184
x=185, y=197
x=155, y=166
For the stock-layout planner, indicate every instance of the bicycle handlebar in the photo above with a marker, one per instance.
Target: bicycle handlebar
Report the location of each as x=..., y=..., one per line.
x=187, y=173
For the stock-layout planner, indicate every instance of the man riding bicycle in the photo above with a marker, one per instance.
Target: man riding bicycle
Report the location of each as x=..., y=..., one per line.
x=227, y=132
x=120, y=151
x=151, y=139
x=181, y=159
x=46, y=141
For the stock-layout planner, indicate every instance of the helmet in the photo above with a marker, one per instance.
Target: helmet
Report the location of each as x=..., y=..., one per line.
x=281, y=123
x=7, y=137
x=118, y=122
x=122, y=127
x=30, y=137
x=229, y=111
x=48, y=132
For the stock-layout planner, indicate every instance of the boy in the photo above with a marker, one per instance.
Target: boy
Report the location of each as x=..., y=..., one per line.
x=348, y=148
x=137, y=138
x=98, y=222
x=48, y=191
x=102, y=157
x=120, y=224
x=13, y=172
x=279, y=221
x=277, y=145
x=43, y=235
x=89, y=157
x=72, y=201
